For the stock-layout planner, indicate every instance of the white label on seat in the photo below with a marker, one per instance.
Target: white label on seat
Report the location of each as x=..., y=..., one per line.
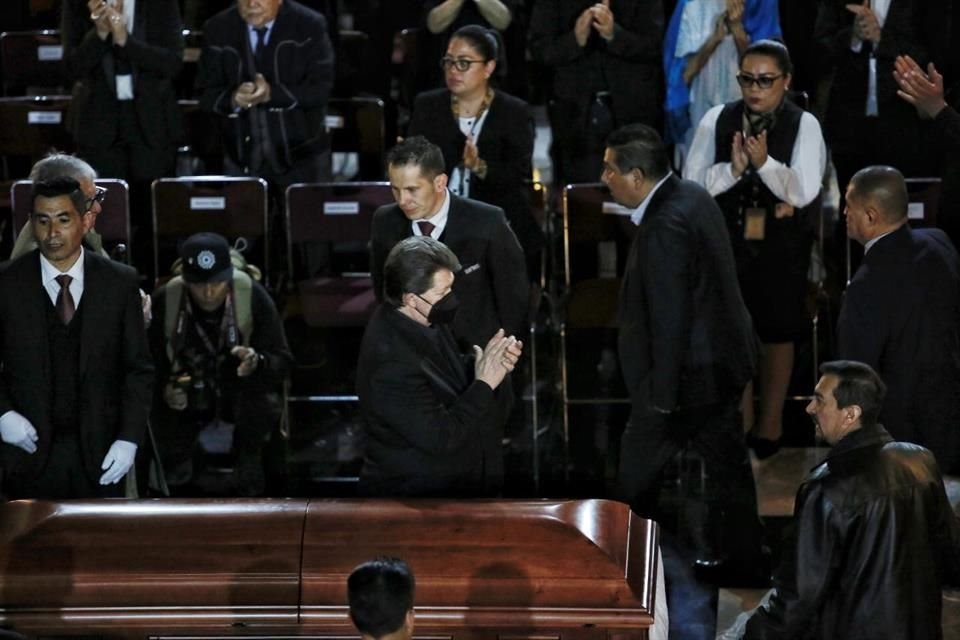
x=44, y=117
x=915, y=211
x=50, y=52
x=208, y=203
x=333, y=122
x=616, y=209
x=341, y=208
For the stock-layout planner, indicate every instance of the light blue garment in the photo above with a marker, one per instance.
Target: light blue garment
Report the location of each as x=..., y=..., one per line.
x=761, y=20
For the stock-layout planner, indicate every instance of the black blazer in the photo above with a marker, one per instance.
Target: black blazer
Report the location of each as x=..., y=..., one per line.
x=628, y=66
x=116, y=373
x=505, y=143
x=912, y=27
x=300, y=73
x=686, y=338
x=901, y=315
x=155, y=52
x=492, y=287
x=423, y=410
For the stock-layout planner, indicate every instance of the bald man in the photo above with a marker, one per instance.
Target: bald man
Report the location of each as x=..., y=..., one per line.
x=901, y=314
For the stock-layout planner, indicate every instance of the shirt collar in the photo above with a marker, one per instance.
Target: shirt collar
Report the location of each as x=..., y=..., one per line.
x=49, y=273
x=439, y=219
x=266, y=37
x=870, y=243
x=637, y=216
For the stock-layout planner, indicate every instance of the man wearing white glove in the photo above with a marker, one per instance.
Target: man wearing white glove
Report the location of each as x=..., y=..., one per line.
x=76, y=378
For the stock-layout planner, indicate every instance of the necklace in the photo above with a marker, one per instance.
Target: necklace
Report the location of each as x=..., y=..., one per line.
x=455, y=104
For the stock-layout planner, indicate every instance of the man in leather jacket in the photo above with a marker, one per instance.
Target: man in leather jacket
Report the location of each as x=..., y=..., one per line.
x=875, y=535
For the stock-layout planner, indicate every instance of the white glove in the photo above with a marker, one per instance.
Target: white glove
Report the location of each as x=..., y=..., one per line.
x=17, y=430
x=118, y=461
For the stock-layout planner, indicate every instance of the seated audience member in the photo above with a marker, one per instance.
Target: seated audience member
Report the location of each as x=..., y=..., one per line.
x=380, y=594
x=267, y=69
x=486, y=135
x=763, y=159
x=76, y=371
x=493, y=288
x=605, y=58
x=875, y=537
x=58, y=165
x=901, y=314
x=426, y=407
x=702, y=49
x=221, y=355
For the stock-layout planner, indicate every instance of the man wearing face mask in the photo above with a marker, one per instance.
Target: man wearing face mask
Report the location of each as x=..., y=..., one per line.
x=492, y=287
x=426, y=406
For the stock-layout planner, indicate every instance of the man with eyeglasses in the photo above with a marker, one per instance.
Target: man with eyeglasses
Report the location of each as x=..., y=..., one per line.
x=77, y=376
x=763, y=159
x=58, y=165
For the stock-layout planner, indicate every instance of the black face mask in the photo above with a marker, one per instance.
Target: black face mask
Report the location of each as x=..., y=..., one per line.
x=443, y=310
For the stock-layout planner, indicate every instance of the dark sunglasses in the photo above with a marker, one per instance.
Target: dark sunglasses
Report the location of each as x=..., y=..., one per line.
x=460, y=64
x=764, y=82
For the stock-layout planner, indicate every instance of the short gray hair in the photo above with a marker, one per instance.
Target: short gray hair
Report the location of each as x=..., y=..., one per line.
x=57, y=165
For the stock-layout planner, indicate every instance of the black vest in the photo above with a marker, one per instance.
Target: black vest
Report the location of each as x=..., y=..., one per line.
x=750, y=190
x=64, y=358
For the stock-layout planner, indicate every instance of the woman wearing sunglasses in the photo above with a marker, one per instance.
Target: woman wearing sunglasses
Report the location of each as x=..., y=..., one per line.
x=763, y=159
x=486, y=135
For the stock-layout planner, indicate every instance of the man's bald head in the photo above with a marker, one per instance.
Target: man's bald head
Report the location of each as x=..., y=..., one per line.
x=884, y=189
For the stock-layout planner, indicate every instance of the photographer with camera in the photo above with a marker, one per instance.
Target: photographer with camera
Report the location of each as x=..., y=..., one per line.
x=221, y=356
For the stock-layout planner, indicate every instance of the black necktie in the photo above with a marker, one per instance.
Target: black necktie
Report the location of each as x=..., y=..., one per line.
x=65, y=305
x=260, y=50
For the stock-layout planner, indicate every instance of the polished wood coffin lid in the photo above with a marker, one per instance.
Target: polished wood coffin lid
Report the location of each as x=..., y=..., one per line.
x=153, y=567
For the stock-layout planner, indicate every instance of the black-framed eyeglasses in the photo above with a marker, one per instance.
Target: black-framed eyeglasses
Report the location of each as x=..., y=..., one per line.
x=99, y=194
x=460, y=64
x=764, y=82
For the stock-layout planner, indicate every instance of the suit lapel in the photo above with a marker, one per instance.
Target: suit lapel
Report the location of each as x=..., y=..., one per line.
x=34, y=310
x=451, y=232
x=93, y=306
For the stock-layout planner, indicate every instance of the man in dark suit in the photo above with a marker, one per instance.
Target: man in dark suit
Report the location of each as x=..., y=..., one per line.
x=901, y=314
x=427, y=409
x=493, y=287
x=267, y=69
x=76, y=384
x=124, y=116
x=686, y=342
x=606, y=58
x=864, y=121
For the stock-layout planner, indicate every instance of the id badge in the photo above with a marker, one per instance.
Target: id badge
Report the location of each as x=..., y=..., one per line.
x=754, y=221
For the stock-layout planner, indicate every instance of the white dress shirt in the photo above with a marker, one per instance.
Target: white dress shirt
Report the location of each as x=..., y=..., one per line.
x=797, y=184
x=637, y=216
x=439, y=219
x=49, y=273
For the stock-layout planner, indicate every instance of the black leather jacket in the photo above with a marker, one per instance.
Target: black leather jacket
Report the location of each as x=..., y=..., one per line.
x=875, y=540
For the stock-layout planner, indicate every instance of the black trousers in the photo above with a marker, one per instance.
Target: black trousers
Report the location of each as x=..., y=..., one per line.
x=651, y=440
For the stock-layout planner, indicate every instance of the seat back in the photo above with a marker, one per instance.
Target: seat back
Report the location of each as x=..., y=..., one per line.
x=235, y=207
x=31, y=127
x=31, y=63
x=597, y=234
x=357, y=125
x=328, y=233
x=113, y=222
x=924, y=201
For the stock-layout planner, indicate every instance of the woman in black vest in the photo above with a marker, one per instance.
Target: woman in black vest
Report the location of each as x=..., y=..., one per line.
x=763, y=159
x=486, y=135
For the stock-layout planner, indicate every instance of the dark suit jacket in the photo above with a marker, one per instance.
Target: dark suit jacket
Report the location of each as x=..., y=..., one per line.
x=919, y=28
x=901, y=315
x=686, y=338
x=155, y=52
x=505, y=143
x=116, y=373
x=492, y=287
x=300, y=73
x=628, y=66
x=423, y=410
